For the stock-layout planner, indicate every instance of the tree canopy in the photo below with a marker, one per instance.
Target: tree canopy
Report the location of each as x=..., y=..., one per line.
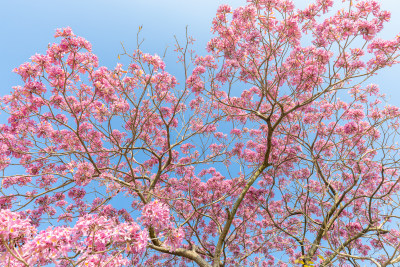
x=273, y=151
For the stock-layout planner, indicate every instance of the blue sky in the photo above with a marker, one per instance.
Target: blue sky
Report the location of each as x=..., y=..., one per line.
x=26, y=27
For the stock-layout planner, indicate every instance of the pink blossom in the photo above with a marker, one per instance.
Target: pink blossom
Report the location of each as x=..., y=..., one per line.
x=175, y=238
x=156, y=215
x=83, y=173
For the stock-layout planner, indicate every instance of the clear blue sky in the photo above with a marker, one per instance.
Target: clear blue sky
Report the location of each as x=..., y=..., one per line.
x=26, y=27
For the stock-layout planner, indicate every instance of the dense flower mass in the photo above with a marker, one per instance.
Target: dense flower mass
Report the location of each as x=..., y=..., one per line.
x=14, y=228
x=273, y=151
x=91, y=235
x=156, y=215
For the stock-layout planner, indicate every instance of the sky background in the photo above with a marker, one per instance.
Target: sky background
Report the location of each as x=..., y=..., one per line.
x=27, y=27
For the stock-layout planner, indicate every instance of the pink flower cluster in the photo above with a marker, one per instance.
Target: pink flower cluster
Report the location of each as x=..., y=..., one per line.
x=83, y=173
x=156, y=215
x=14, y=228
x=92, y=235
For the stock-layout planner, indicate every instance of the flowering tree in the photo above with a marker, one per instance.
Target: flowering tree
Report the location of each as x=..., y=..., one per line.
x=273, y=152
